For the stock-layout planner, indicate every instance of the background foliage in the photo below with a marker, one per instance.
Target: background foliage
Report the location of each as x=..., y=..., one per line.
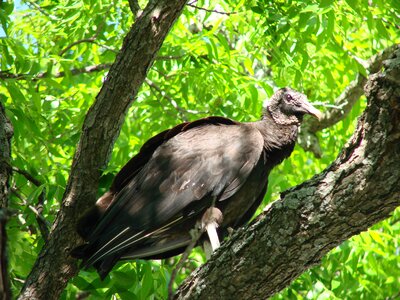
x=221, y=61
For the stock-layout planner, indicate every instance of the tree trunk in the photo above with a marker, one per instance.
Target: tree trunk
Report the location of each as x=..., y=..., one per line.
x=6, y=132
x=360, y=188
x=54, y=266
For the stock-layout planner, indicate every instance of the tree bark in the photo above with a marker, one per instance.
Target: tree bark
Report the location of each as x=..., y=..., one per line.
x=6, y=132
x=54, y=266
x=360, y=188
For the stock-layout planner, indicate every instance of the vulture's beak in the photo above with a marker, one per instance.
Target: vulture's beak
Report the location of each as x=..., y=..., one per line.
x=312, y=110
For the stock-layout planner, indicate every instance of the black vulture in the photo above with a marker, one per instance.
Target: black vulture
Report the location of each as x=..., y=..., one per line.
x=209, y=175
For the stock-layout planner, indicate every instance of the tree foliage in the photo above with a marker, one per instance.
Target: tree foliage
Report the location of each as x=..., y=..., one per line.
x=221, y=58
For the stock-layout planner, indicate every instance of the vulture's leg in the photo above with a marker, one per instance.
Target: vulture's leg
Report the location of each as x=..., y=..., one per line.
x=207, y=245
x=210, y=221
x=195, y=234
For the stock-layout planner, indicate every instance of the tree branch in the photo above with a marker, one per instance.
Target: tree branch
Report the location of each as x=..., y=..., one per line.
x=76, y=71
x=181, y=112
x=54, y=266
x=343, y=105
x=135, y=8
x=360, y=188
x=38, y=208
x=41, y=10
x=352, y=93
x=211, y=10
x=93, y=38
x=27, y=175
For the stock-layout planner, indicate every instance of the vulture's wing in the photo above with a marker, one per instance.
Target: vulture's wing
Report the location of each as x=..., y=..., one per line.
x=181, y=178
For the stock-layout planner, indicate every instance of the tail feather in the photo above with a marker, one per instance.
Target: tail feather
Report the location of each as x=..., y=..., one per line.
x=103, y=266
x=79, y=252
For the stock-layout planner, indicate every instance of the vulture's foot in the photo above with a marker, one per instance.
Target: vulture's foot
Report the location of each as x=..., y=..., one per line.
x=210, y=221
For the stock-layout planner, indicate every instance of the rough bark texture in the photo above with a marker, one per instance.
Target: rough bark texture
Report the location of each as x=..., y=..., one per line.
x=360, y=188
x=6, y=132
x=54, y=267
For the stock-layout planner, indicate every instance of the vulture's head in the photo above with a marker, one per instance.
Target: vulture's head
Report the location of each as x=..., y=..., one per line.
x=287, y=107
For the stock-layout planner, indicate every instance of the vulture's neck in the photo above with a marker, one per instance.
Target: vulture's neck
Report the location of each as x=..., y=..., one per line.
x=279, y=139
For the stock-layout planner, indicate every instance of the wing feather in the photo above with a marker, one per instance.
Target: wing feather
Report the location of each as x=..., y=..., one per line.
x=178, y=180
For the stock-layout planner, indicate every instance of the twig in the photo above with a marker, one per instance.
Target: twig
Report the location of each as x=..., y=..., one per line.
x=169, y=57
x=27, y=176
x=165, y=95
x=93, y=38
x=41, y=10
x=77, y=71
x=43, y=224
x=88, y=40
x=211, y=10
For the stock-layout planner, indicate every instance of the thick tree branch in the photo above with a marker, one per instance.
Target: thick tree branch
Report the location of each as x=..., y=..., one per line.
x=360, y=188
x=135, y=7
x=343, y=104
x=54, y=266
x=6, y=132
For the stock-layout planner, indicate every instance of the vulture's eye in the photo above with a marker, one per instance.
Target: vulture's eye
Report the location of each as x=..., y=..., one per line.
x=289, y=97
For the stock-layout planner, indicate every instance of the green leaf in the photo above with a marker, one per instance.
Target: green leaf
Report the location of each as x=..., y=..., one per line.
x=34, y=195
x=122, y=281
x=248, y=64
x=257, y=10
x=147, y=282
x=381, y=29
x=311, y=8
x=15, y=92
x=353, y=4
x=376, y=237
